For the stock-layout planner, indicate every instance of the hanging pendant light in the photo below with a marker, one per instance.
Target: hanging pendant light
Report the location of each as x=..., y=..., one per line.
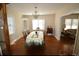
x=35, y=13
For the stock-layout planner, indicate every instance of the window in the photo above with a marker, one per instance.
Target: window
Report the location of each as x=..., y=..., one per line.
x=11, y=25
x=38, y=23
x=71, y=24
x=75, y=24
x=68, y=23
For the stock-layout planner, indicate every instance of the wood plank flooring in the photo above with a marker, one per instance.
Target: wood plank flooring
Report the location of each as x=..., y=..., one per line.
x=52, y=47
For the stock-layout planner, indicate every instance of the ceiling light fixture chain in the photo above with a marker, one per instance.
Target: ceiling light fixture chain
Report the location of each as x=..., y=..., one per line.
x=36, y=13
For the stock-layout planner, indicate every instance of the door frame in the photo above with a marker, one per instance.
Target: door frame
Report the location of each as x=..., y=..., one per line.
x=75, y=52
x=5, y=28
x=77, y=33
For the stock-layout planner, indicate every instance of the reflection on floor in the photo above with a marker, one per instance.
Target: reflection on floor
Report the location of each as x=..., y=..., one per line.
x=52, y=47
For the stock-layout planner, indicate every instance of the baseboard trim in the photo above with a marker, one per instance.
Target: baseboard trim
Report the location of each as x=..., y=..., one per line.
x=13, y=42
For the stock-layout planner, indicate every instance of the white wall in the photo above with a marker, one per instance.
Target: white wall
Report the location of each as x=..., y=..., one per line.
x=49, y=20
x=18, y=24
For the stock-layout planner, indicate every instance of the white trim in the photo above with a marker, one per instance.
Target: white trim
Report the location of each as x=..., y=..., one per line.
x=72, y=12
x=13, y=42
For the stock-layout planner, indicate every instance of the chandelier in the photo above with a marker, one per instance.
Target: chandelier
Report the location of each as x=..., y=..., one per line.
x=35, y=15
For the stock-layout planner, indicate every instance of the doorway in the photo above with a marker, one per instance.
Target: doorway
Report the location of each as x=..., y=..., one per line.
x=69, y=26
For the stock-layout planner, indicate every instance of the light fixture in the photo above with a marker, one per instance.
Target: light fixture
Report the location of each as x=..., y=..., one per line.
x=35, y=15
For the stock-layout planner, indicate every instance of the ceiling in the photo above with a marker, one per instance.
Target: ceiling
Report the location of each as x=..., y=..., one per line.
x=43, y=8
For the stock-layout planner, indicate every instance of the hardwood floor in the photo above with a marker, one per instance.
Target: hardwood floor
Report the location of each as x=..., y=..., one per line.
x=52, y=47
